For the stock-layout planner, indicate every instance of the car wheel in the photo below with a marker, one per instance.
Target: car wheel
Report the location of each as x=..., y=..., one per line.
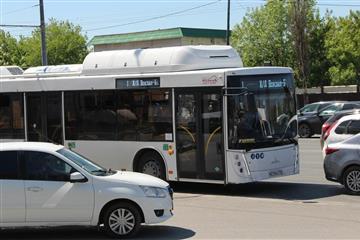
x=152, y=164
x=351, y=180
x=122, y=220
x=304, y=130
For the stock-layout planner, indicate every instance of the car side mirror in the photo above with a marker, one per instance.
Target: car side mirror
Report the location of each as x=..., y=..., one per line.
x=77, y=177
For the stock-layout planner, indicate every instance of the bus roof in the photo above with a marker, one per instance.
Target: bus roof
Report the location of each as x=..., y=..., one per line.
x=185, y=66
x=9, y=71
x=155, y=60
x=199, y=78
x=139, y=61
x=55, y=69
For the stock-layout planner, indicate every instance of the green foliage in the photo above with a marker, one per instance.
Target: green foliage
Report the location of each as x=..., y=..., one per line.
x=263, y=36
x=64, y=41
x=301, y=19
x=330, y=47
x=343, y=75
x=319, y=63
x=9, y=50
x=343, y=44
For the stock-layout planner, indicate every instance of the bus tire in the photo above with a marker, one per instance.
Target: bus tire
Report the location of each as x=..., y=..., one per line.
x=152, y=164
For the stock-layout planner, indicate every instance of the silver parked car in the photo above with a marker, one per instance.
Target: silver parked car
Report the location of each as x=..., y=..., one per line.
x=342, y=163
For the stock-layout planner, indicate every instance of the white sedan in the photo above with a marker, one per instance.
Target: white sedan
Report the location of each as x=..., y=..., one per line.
x=43, y=184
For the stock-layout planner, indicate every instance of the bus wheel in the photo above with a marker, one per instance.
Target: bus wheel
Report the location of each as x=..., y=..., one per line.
x=152, y=164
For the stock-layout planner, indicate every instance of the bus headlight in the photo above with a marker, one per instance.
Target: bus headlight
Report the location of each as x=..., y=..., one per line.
x=154, y=192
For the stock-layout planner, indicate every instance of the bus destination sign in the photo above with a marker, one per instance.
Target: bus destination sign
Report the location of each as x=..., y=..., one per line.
x=138, y=83
x=281, y=83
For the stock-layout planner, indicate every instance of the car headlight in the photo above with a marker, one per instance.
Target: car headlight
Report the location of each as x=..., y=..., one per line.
x=154, y=192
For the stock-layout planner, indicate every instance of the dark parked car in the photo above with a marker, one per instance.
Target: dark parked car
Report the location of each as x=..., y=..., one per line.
x=310, y=124
x=314, y=107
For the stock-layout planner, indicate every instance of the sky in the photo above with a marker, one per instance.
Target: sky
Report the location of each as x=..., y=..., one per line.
x=101, y=17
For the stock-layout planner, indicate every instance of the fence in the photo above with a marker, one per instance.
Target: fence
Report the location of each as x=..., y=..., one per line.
x=330, y=93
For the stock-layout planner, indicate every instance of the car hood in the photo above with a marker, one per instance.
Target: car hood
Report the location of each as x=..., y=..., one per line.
x=136, y=179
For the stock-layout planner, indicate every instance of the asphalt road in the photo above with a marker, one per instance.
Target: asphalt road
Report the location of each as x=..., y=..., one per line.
x=305, y=206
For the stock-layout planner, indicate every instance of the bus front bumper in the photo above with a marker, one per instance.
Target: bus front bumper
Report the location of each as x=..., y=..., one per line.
x=273, y=173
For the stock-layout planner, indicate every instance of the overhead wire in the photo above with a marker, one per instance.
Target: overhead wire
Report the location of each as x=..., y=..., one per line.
x=337, y=5
x=140, y=17
x=20, y=9
x=84, y=22
x=242, y=4
x=155, y=18
x=80, y=20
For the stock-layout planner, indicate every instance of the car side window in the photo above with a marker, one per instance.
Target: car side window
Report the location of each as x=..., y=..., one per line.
x=310, y=108
x=354, y=127
x=330, y=110
x=46, y=167
x=349, y=106
x=9, y=165
x=341, y=128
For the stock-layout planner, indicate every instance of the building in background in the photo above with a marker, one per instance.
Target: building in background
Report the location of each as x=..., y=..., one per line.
x=159, y=38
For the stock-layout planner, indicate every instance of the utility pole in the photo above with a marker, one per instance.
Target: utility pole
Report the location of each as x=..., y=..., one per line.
x=228, y=24
x=358, y=82
x=43, y=37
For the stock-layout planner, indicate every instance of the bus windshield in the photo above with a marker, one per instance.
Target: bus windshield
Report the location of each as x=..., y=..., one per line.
x=261, y=111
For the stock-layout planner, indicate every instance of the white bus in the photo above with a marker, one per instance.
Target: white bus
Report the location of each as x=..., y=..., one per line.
x=190, y=113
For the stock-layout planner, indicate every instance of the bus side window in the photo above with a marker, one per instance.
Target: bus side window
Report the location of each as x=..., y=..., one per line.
x=12, y=116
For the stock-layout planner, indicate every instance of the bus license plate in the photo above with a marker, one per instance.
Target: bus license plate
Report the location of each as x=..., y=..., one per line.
x=276, y=173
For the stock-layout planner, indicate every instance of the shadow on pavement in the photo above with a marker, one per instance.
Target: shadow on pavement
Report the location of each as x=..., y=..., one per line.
x=146, y=232
x=164, y=232
x=306, y=192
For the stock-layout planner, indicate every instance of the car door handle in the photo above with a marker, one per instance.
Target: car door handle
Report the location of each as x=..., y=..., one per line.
x=35, y=189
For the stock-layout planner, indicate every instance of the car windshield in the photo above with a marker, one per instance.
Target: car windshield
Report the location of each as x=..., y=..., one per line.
x=84, y=163
x=261, y=111
x=309, y=108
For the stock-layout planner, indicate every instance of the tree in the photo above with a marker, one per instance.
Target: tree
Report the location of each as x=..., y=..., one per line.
x=319, y=63
x=263, y=36
x=343, y=44
x=65, y=44
x=300, y=14
x=9, y=50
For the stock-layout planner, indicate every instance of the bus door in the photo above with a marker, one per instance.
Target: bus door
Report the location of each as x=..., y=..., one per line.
x=44, y=114
x=199, y=130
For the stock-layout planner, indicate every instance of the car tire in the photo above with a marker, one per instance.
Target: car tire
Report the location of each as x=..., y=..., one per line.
x=305, y=130
x=351, y=180
x=152, y=164
x=122, y=220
